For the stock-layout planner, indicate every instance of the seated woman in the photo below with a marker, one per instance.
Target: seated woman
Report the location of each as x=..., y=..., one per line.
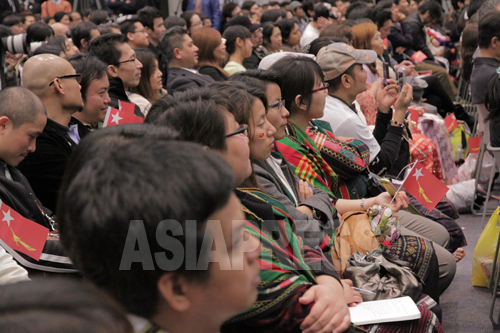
x=290, y=34
x=211, y=53
x=271, y=38
x=150, y=86
x=239, y=47
x=193, y=21
x=299, y=285
x=304, y=94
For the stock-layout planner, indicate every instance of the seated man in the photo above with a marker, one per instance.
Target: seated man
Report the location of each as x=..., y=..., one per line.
x=124, y=70
x=182, y=56
x=22, y=120
x=95, y=86
x=129, y=184
x=82, y=34
x=137, y=37
x=56, y=82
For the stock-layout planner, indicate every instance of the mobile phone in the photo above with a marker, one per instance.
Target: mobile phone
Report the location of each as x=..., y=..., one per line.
x=401, y=78
x=388, y=186
x=386, y=72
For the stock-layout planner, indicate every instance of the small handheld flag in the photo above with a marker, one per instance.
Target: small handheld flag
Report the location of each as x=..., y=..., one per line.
x=117, y=117
x=126, y=107
x=424, y=186
x=474, y=144
x=418, y=57
x=451, y=122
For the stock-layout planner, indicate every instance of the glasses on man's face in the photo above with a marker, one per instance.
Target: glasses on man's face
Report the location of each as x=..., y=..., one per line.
x=130, y=60
x=142, y=31
x=242, y=130
x=325, y=86
x=77, y=77
x=278, y=105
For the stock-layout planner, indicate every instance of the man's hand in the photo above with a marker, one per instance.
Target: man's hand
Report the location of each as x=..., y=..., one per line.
x=305, y=191
x=400, y=49
x=329, y=312
x=387, y=95
x=404, y=99
x=352, y=297
x=343, y=139
x=401, y=17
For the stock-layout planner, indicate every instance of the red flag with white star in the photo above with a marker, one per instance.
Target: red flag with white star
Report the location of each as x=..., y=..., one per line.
x=21, y=234
x=126, y=107
x=424, y=186
x=118, y=117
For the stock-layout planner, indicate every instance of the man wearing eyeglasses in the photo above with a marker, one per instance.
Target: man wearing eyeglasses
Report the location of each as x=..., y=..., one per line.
x=136, y=34
x=56, y=83
x=124, y=70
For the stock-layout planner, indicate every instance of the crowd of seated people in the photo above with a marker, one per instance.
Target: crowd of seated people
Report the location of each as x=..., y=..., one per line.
x=260, y=127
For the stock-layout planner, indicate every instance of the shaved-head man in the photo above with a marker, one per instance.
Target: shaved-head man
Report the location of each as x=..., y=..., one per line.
x=60, y=29
x=56, y=83
x=22, y=119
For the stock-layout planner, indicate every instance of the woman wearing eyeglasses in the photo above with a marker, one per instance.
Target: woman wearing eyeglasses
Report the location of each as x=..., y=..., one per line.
x=211, y=54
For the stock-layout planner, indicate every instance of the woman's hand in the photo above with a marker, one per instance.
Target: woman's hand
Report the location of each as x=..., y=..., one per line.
x=407, y=65
x=405, y=98
x=329, y=312
x=352, y=297
x=304, y=190
x=401, y=201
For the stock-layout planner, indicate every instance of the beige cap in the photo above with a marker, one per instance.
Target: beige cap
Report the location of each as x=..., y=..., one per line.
x=336, y=58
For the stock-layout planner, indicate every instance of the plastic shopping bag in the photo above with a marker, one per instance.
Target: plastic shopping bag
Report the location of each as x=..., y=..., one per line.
x=482, y=262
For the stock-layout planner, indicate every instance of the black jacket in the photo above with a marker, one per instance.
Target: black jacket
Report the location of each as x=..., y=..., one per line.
x=213, y=72
x=117, y=93
x=18, y=195
x=180, y=79
x=418, y=32
x=45, y=168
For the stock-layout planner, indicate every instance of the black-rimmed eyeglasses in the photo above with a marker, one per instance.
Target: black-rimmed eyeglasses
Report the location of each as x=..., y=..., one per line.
x=278, y=105
x=77, y=77
x=130, y=60
x=242, y=130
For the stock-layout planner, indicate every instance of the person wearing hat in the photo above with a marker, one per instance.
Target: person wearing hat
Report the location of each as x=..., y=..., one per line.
x=342, y=66
x=253, y=61
x=299, y=14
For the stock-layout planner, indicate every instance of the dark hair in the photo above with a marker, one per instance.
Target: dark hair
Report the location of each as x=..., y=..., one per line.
x=5, y=31
x=300, y=81
x=270, y=16
x=308, y=5
x=320, y=11
x=232, y=33
x=99, y=17
x=59, y=16
x=58, y=41
x=468, y=47
x=379, y=17
x=38, y=32
x=106, y=48
x=334, y=84
x=124, y=181
x=238, y=93
x=174, y=21
x=247, y=5
x=267, y=32
x=265, y=76
x=147, y=59
x=170, y=40
x=147, y=16
x=338, y=30
x=82, y=30
x=321, y=42
x=20, y=105
x=128, y=26
x=286, y=26
x=488, y=28
x=91, y=69
x=13, y=19
x=187, y=16
x=492, y=99
x=159, y=107
x=72, y=306
x=200, y=121
x=474, y=7
x=227, y=12
x=356, y=8
x=55, y=49
x=434, y=9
